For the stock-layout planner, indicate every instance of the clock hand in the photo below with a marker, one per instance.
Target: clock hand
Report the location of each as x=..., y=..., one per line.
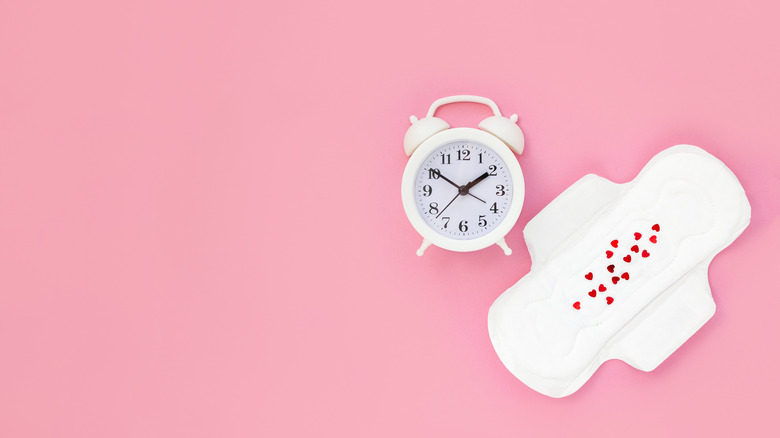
x=445, y=207
x=465, y=189
x=476, y=181
x=474, y=196
x=447, y=179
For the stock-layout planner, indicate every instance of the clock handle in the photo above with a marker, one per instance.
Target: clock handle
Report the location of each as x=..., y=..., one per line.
x=463, y=98
x=504, y=246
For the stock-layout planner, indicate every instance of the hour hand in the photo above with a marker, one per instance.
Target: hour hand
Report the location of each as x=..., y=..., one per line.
x=465, y=189
x=476, y=181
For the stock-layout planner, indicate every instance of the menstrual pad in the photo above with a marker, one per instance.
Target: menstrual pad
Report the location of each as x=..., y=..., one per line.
x=619, y=271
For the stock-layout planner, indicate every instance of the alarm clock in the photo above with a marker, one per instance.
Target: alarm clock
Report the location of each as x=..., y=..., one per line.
x=463, y=188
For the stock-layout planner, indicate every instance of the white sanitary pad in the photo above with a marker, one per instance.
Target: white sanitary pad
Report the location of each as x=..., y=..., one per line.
x=619, y=271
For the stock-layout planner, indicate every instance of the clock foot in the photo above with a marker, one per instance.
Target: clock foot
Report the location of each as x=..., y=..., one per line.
x=424, y=245
x=504, y=246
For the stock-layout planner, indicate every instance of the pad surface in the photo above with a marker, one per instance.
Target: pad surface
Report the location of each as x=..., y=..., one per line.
x=619, y=271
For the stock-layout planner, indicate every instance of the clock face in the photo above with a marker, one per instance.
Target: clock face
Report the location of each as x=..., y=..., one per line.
x=463, y=190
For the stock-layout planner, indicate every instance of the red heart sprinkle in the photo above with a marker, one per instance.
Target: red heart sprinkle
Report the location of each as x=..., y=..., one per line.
x=635, y=248
x=614, y=243
x=611, y=268
x=624, y=276
x=645, y=253
x=615, y=280
x=654, y=239
x=637, y=236
x=577, y=305
x=656, y=228
x=627, y=258
x=602, y=288
x=592, y=293
x=609, y=300
x=609, y=254
x=589, y=276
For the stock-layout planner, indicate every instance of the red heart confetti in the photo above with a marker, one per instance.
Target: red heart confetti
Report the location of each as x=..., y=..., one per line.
x=627, y=259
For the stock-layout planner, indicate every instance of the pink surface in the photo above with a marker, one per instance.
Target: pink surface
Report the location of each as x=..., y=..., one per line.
x=201, y=230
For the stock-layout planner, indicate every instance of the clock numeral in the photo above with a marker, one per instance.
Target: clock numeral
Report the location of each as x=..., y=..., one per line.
x=433, y=208
x=446, y=159
x=427, y=190
x=482, y=221
x=480, y=157
x=463, y=155
x=492, y=169
x=494, y=208
x=463, y=226
x=433, y=173
x=446, y=221
x=500, y=190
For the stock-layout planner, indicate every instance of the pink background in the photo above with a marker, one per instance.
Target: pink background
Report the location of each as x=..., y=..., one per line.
x=201, y=232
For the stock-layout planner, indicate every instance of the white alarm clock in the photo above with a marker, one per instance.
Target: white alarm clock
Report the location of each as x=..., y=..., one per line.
x=463, y=188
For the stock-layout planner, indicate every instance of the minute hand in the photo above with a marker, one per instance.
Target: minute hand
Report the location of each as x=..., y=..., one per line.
x=448, y=180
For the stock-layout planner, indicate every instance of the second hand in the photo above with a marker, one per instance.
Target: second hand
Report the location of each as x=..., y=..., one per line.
x=448, y=204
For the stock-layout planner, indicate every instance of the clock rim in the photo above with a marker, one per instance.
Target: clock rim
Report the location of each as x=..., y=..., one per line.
x=450, y=136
